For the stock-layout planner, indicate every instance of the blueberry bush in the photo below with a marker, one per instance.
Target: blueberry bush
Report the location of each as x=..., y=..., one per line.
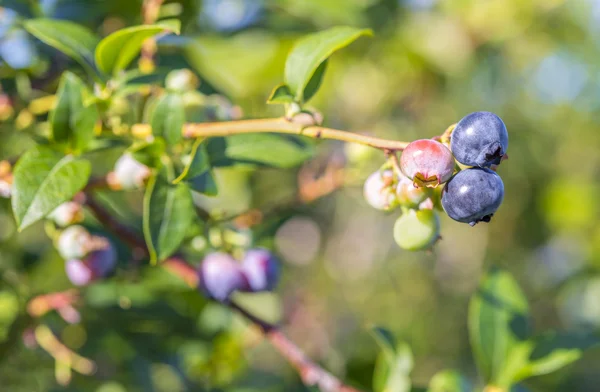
x=208, y=196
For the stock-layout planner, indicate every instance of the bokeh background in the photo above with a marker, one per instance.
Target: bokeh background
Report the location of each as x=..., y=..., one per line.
x=533, y=62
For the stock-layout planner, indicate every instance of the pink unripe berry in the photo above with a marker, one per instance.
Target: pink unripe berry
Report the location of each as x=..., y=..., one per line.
x=96, y=265
x=74, y=242
x=408, y=194
x=78, y=272
x=379, y=190
x=128, y=173
x=67, y=214
x=427, y=162
x=220, y=275
x=5, y=189
x=261, y=269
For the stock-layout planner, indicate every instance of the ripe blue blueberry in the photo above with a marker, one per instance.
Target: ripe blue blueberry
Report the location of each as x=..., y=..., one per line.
x=220, y=275
x=479, y=139
x=261, y=269
x=473, y=195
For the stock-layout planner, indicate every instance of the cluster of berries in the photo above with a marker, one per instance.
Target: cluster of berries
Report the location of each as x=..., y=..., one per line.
x=472, y=192
x=220, y=274
x=87, y=257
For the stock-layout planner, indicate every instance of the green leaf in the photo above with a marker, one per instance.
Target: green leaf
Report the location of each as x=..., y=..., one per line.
x=498, y=326
x=449, y=381
x=70, y=38
x=315, y=81
x=43, y=180
x=385, y=339
x=168, y=117
x=281, y=94
x=115, y=52
x=393, y=365
x=553, y=351
x=197, y=172
x=260, y=149
x=149, y=153
x=168, y=213
x=310, y=52
x=71, y=122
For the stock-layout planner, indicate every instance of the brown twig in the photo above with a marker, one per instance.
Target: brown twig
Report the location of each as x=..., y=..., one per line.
x=311, y=373
x=281, y=125
x=150, y=12
x=124, y=233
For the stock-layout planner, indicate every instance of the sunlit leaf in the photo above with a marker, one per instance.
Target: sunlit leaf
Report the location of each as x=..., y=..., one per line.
x=44, y=179
x=311, y=51
x=115, y=52
x=168, y=213
x=168, y=117
x=197, y=172
x=449, y=381
x=393, y=365
x=498, y=325
x=553, y=351
x=281, y=94
x=259, y=149
x=70, y=38
x=71, y=122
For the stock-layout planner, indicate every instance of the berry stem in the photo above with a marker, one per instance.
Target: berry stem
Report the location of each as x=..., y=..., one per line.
x=310, y=372
x=282, y=125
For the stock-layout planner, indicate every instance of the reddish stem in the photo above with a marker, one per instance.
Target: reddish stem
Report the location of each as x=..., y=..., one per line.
x=310, y=373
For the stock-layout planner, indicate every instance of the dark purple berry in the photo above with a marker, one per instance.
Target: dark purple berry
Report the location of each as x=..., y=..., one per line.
x=261, y=269
x=220, y=275
x=479, y=139
x=102, y=261
x=473, y=195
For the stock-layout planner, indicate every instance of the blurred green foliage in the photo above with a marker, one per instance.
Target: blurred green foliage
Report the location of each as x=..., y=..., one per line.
x=533, y=62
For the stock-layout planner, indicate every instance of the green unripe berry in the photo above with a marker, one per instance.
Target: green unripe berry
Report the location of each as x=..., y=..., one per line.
x=417, y=230
x=409, y=195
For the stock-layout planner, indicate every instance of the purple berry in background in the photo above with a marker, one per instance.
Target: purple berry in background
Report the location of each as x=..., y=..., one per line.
x=102, y=262
x=261, y=269
x=96, y=265
x=479, y=139
x=473, y=195
x=379, y=190
x=220, y=275
x=427, y=163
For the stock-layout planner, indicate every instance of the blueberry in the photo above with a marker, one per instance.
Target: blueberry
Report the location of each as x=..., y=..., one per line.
x=220, y=275
x=427, y=163
x=261, y=269
x=102, y=261
x=479, y=139
x=96, y=265
x=473, y=195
